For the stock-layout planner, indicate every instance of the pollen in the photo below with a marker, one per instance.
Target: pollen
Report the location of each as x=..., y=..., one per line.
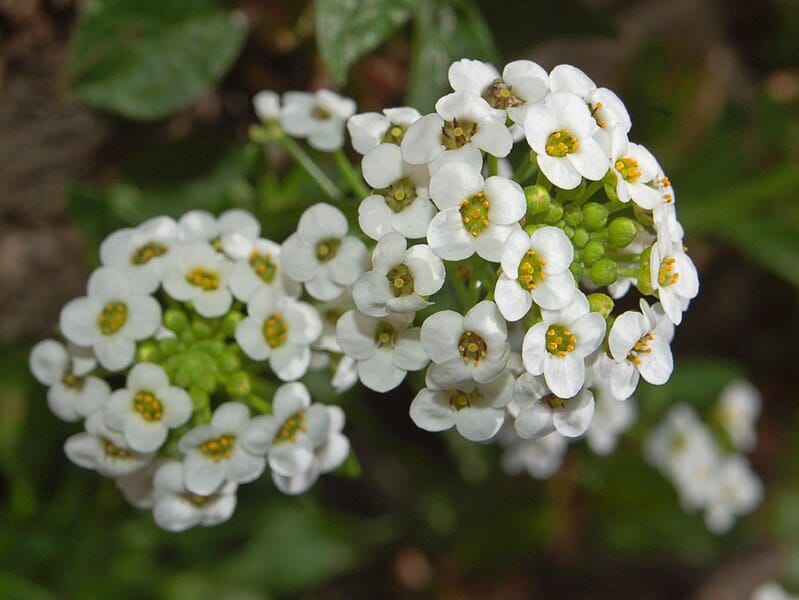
x=474, y=213
x=148, y=406
x=628, y=168
x=667, y=275
x=203, y=278
x=472, y=348
x=263, y=266
x=218, y=448
x=456, y=133
x=113, y=316
x=640, y=347
x=561, y=143
x=275, y=330
x=291, y=428
x=113, y=451
x=400, y=280
x=560, y=340
x=147, y=252
x=531, y=270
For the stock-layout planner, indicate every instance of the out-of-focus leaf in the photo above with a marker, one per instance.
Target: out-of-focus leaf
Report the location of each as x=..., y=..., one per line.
x=775, y=244
x=445, y=31
x=348, y=29
x=148, y=58
x=13, y=587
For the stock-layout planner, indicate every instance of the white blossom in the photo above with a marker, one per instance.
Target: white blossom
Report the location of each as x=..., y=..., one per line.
x=540, y=457
x=198, y=274
x=202, y=226
x=103, y=450
x=540, y=412
x=257, y=264
x=636, y=171
x=369, y=130
x=267, y=105
x=673, y=275
x=737, y=410
x=137, y=487
x=318, y=117
x=735, y=490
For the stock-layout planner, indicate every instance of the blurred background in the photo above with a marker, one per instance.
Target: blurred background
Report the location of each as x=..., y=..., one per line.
x=116, y=110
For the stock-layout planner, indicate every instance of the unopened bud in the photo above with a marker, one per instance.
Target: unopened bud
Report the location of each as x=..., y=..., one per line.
x=595, y=216
x=147, y=352
x=645, y=273
x=238, y=384
x=230, y=321
x=600, y=303
x=592, y=252
x=573, y=216
x=621, y=232
x=175, y=319
x=538, y=200
x=580, y=238
x=604, y=272
x=555, y=214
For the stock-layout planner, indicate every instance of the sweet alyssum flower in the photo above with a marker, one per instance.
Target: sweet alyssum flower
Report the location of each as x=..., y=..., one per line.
x=612, y=415
x=321, y=254
x=267, y=106
x=147, y=408
x=369, y=130
x=673, y=275
x=281, y=330
x=257, y=264
x=385, y=349
x=198, y=274
x=477, y=215
x=110, y=318
x=104, y=450
x=737, y=410
x=202, y=226
x=539, y=458
x=636, y=170
x=318, y=117
x=541, y=412
x=535, y=269
x=401, y=278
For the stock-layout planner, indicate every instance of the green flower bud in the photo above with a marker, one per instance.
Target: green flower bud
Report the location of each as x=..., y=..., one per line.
x=573, y=216
x=604, y=272
x=580, y=238
x=601, y=303
x=645, y=274
x=205, y=381
x=230, y=321
x=577, y=269
x=199, y=398
x=201, y=328
x=555, y=214
x=592, y=252
x=569, y=231
x=168, y=346
x=621, y=232
x=238, y=384
x=538, y=199
x=595, y=216
x=228, y=362
x=147, y=351
x=175, y=319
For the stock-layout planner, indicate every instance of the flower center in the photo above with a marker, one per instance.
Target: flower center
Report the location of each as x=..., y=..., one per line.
x=460, y=400
x=292, y=426
x=275, y=330
x=399, y=195
x=112, y=317
x=113, y=451
x=561, y=143
x=628, y=168
x=326, y=250
x=531, y=270
x=206, y=279
x=560, y=340
x=472, y=347
x=552, y=401
x=667, y=275
x=455, y=133
x=394, y=134
x=263, y=266
x=72, y=381
x=386, y=334
x=474, y=213
x=218, y=448
x=146, y=253
x=641, y=347
x=400, y=281
x=320, y=113
x=148, y=406
x=499, y=95
x=198, y=500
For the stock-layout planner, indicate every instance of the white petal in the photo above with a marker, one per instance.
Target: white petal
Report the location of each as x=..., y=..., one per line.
x=213, y=304
x=623, y=379
x=289, y=459
x=556, y=248
x=250, y=337
x=574, y=419
x=107, y=284
x=427, y=269
x=474, y=76
x=298, y=259
x=534, y=350
x=657, y=366
x=493, y=138
x=202, y=476
x=517, y=244
x=430, y=411
x=559, y=171
x=367, y=130
x=448, y=237
x=389, y=252
x=454, y=182
x=422, y=140
x=527, y=80
x=375, y=217
x=147, y=376
x=290, y=362
x=379, y=373
x=513, y=302
x=231, y=417
x=289, y=399
x=479, y=424
x=564, y=375
x=144, y=317
x=143, y=436
x=243, y=467
x=506, y=200
x=321, y=221
x=415, y=219
x=627, y=329
x=79, y=321
x=590, y=160
x=382, y=166
x=408, y=351
x=322, y=287
x=589, y=331
x=371, y=293
x=440, y=334
x=49, y=362
x=555, y=292
x=350, y=262
x=491, y=242
x=355, y=333
x=115, y=352
x=535, y=421
x=485, y=319
x=570, y=78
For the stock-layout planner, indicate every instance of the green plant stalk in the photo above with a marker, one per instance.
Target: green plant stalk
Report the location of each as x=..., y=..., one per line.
x=356, y=184
x=307, y=163
x=457, y=284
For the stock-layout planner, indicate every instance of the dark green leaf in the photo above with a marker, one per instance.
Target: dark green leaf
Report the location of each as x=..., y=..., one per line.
x=773, y=243
x=148, y=58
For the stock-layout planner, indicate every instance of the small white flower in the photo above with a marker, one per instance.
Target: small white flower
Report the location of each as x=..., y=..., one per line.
x=147, y=408
x=369, y=130
x=199, y=274
x=346, y=374
x=462, y=126
x=385, y=349
x=540, y=458
x=640, y=344
x=104, y=450
x=612, y=416
x=281, y=330
x=477, y=215
x=72, y=394
x=737, y=410
x=215, y=452
x=535, y=269
x=137, y=487
x=202, y=226
x=317, y=117
x=559, y=345
x=140, y=253
x=476, y=410
x=111, y=318
x=321, y=254
x=400, y=201
x=472, y=346
x=560, y=131
x=673, y=275
x=401, y=278
x=636, y=171
x=331, y=312
x=771, y=590
x=176, y=508
x=267, y=105
x=735, y=490
x=541, y=412
x=257, y=264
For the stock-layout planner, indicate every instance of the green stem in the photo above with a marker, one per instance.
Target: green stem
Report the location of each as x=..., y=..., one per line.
x=457, y=284
x=307, y=163
x=259, y=404
x=493, y=165
x=629, y=272
x=354, y=180
x=624, y=257
x=589, y=191
x=525, y=170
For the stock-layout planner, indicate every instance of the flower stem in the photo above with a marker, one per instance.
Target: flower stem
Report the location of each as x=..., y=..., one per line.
x=457, y=284
x=493, y=165
x=354, y=180
x=307, y=163
x=525, y=170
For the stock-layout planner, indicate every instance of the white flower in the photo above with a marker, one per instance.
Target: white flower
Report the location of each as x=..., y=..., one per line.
x=331, y=312
x=636, y=171
x=72, y=394
x=292, y=433
x=318, y=117
x=477, y=215
x=176, y=508
x=104, y=450
x=369, y=130
x=541, y=412
x=321, y=254
x=346, y=374
x=385, y=349
x=328, y=455
x=267, y=105
x=734, y=490
x=199, y=274
x=612, y=416
x=560, y=131
x=400, y=201
x=202, y=226
x=111, y=318
x=401, y=278
x=535, y=269
x=147, y=408
x=737, y=410
x=771, y=590
x=477, y=410
x=473, y=346
x=215, y=452
x=540, y=457
x=257, y=264
x=462, y=126
x=140, y=253
x=560, y=343
x=137, y=487
x=281, y=330
x=673, y=275
x=640, y=344
x=522, y=82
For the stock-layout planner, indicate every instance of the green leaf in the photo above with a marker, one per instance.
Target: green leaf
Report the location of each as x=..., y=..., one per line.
x=774, y=244
x=348, y=29
x=445, y=31
x=149, y=58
